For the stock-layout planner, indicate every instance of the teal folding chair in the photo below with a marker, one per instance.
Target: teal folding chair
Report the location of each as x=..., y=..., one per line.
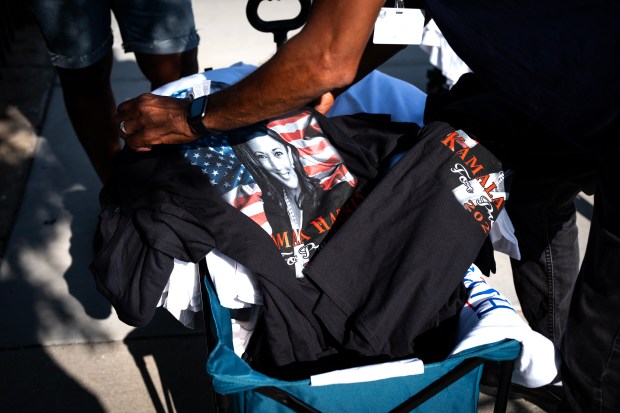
x=448, y=386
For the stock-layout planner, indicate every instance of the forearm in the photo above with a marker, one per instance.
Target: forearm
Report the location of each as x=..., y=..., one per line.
x=284, y=83
x=374, y=56
x=324, y=56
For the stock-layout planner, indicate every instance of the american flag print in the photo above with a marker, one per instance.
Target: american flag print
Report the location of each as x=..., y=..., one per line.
x=319, y=158
x=217, y=161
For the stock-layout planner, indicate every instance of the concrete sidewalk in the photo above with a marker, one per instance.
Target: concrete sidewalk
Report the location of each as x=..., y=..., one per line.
x=62, y=347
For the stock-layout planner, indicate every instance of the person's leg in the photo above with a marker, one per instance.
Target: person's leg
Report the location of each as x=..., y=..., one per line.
x=79, y=40
x=591, y=347
x=162, y=35
x=162, y=69
x=91, y=107
x=543, y=213
x=549, y=174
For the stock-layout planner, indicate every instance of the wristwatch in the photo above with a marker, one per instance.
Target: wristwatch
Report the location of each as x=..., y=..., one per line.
x=195, y=115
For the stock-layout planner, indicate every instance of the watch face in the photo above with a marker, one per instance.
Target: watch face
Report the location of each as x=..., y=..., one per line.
x=196, y=110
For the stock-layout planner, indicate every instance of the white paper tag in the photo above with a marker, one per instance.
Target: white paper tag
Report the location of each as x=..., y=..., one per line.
x=194, y=90
x=399, y=26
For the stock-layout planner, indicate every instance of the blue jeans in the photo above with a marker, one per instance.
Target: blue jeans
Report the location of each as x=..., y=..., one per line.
x=78, y=32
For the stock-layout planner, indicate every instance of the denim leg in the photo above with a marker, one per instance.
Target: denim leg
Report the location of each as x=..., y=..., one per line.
x=543, y=212
x=591, y=347
x=544, y=277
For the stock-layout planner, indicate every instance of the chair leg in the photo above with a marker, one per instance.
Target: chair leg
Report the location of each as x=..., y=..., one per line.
x=503, y=389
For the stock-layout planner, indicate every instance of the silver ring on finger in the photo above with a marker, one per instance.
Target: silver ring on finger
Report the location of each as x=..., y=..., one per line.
x=122, y=127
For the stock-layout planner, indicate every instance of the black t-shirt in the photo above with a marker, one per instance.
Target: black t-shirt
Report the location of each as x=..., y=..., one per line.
x=395, y=268
x=158, y=206
x=390, y=269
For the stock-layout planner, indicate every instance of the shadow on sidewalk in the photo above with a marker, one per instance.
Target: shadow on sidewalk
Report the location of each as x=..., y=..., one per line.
x=31, y=381
x=179, y=360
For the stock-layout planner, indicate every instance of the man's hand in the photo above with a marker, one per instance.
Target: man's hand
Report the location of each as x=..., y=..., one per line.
x=153, y=120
